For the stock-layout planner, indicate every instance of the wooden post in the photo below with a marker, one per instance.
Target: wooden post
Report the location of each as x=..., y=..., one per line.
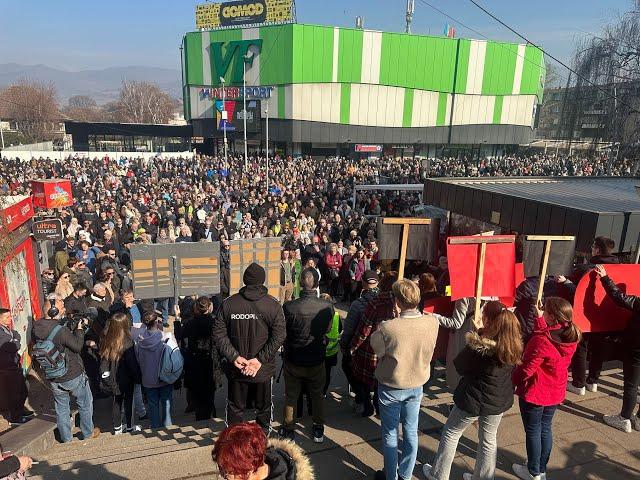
x=545, y=259
x=406, y=225
x=482, y=242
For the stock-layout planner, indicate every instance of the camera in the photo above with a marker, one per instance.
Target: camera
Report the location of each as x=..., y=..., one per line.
x=73, y=320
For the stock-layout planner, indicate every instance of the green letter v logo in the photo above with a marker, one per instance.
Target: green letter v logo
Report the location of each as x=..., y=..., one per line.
x=220, y=64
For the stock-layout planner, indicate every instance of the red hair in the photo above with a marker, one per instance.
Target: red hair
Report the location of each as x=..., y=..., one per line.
x=240, y=449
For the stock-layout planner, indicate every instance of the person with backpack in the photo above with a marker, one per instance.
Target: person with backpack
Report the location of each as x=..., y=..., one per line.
x=484, y=393
x=119, y=371
x=153, y=348
x=57, y=351
x=202, y=374
x=541, y=381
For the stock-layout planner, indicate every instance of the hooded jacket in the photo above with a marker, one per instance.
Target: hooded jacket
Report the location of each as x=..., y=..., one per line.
x=485, y=387
x=250, y=324
x=541, y=379
x=149, y=348
x=67, y=342
x=127, y=368
x=287, y=461
x=356, y=311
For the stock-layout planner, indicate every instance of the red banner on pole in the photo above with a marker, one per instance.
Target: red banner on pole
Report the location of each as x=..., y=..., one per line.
x=594, y=310
x=499, y=268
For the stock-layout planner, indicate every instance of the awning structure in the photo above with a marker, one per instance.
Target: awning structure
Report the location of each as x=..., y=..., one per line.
x=585, y=207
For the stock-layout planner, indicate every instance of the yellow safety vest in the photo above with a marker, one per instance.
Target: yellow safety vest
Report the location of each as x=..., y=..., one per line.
x=333, y=336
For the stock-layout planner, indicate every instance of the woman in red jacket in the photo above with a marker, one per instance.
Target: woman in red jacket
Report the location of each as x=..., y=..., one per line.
x=541, y=381
x=333, y=261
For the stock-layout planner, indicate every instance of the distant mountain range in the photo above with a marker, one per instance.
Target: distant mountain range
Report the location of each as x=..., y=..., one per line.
x=101, y=85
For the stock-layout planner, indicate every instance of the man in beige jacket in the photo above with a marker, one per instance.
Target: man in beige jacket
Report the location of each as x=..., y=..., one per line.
x=404, y=347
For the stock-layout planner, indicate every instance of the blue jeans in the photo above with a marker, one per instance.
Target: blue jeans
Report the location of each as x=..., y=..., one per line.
x=399, y=406
x=79, y=388
x=160, y=400
x=537, y=422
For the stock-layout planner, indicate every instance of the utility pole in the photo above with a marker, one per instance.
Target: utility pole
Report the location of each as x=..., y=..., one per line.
x=267, y=145
x=224, y=122
x=409, y=17
x=244, y=108
x=1, y=135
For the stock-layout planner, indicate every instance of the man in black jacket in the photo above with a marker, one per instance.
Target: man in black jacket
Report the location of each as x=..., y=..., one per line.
x=12, y=382
x=74, y=381
x=248, y=331
x=308, y=321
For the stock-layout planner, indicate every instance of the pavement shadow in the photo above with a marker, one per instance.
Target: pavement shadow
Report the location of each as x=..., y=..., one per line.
x=79, y=470
x=594, y=466
x=579, y=410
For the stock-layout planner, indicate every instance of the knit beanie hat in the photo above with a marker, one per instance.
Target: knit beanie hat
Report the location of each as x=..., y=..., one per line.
x=254, y=275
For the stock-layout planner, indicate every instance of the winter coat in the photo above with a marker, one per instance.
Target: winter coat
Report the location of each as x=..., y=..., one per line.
x=68, y=342
x=356, y=269
x=541, y=379
x=354, y=316
x=308, y=321
x=149, y=349
x=250, y=324
x=630, y=302
x=365, y=360
x=525, y=302
x=9, y=348
x=485, y=387
x=202, y=363
x=584, y=268
x=127, y=369
x=333, y=262
x=287, y=461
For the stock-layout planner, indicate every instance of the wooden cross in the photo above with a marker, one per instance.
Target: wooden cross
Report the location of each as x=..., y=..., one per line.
x=545, y=259
x=406, y=224
x=482, y=241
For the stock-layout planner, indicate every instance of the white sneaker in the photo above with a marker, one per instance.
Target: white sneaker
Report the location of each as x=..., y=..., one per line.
x=618, y=422
x=592, y=387
x=576, y=390
x=426, y=470
x=118, y=430
x=522, y=472
x=133, y=429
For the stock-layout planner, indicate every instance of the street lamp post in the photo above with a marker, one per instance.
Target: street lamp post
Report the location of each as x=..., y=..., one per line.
x=267, y=145
x=244, y=107
x=224, y=122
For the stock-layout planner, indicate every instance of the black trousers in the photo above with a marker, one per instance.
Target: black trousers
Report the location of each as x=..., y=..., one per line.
x=631, y=372
x=14, y=393
x=346, y=368
x=244, y=395
x=592, y=351
x=125, y=398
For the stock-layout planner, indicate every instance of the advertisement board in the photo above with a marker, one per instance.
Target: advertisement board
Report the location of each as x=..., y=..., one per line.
x=16, y=211
x=54, y=193
x=15, y=274
x=368, y=148
x=244, y=12
x=235, y=116
x=47, y=230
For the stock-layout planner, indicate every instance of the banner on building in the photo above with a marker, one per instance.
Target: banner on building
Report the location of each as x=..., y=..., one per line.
x=263, y=251
x=368, y=148
x=15, y=274
x=176, y=269
x=244, y=12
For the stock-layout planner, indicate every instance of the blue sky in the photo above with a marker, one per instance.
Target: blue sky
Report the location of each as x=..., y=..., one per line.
x=78, y=35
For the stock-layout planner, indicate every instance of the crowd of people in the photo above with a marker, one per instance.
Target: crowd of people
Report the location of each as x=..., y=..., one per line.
x=97, y=340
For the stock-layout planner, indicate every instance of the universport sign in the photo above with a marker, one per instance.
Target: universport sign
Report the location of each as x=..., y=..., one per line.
x=233, y=93
x=244, y=12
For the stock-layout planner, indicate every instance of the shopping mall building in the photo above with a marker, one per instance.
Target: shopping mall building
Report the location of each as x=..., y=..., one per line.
x=327, y=89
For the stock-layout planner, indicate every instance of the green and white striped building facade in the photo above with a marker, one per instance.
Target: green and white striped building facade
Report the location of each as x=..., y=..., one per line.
x=341, y=86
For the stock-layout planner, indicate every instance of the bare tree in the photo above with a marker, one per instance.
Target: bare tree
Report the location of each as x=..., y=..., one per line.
x=34, y=108
x=83, y=109
x=144, y=102
x=605, y=95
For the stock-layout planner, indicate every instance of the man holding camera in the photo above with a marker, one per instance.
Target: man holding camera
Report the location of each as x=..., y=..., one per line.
x=74, y=381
